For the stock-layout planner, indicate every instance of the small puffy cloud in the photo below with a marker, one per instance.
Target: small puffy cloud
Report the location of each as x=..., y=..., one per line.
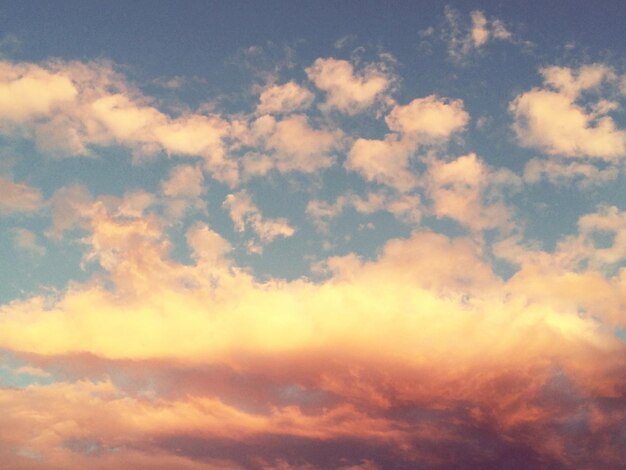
x=207, y=246
x=349, y=91
x=290, y=144
x=18, y=197
x=601, y=240
x=383, y=161
x=551, y=119
x=479, y=32
x=405, y=207
x=184, y=181
x=470, y=192
x=183, y=189
x=26, y=241
x=29, y=91
x=244, y=213
x=424, y=121
x=429, y=119
x=133, y=203
x=465, y=38
x=562, y=172
x=284, y=99
x=69, y=204
x=572, y=82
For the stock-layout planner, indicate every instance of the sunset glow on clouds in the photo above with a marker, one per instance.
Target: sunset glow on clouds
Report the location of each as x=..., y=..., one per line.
x=284, y=236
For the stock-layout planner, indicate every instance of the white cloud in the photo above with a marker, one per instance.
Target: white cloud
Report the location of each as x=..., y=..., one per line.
x=70, y=106
x=572, y=82
x=184, y=181
x=28, y=91
x=346, y=90
x=18, y=197
x=555, y=123
x=27, y=241
x=290, y=144
x=383, y=161
x=283, y=99
x=184, y=189
x=479, y=32
x=405, y=207
x=560, y=172
x=244, y=213
x=469, y=191
x=429, y=119
x=466, y=38
x=424, y=121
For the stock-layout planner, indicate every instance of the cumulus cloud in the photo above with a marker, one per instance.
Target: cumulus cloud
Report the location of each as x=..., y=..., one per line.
x=466, y=38
x=347, y=90
x=28, y=91
x=283, y=99
x=291, y=144
x=429, y=119
x=424, y=121
x=384, y=161
x=184, y=189
x=406, y=207
x=244, y=213
x=563, y=172
x=69, y=107
x=470, y=192
x=26, y=241
x=554, y=121
x=18, y=197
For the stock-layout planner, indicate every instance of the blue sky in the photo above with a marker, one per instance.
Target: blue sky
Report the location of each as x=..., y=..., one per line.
x=275, y=219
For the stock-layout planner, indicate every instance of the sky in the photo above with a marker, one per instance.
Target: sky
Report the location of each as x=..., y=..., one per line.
x=312, y=235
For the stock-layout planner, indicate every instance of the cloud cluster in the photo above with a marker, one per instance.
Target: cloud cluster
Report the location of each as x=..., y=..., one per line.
x=402, y=354
x=476, y=346
x=70, y=107
x=422, y=122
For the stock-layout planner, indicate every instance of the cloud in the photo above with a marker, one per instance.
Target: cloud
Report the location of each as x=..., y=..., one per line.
x=244, y=213
x=562, y=172
x=69, y=107
x=424, y=121
x=18, y=197
x=384, y=161
x=552, y=121
x=467, y=38
x=572, y=82
x=420, y=354
x=184, y=189
x=470, y=192
x=429, y=119
x=291, y=144
x=346, y=90
x=283, y=99
x=407, y=208
x=406, y=353
x=26, y=241
x=28, y=91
